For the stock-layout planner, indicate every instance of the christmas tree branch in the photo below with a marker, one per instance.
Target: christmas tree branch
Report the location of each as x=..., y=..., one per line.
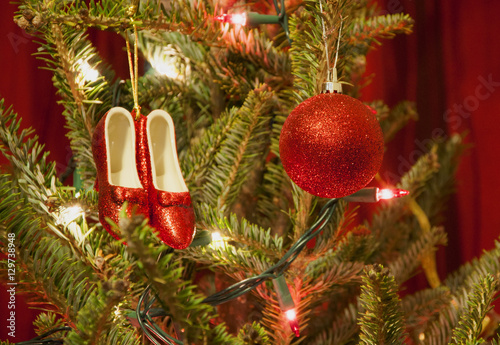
x=252, y=237
x=392, y=120
x=390, y=237
x=359, y=245
x=461, y=284
x=67, y=62
x=52, y=268
x=176, y=295
x=123, y=334
x=92, y=321
x=341, y=331
x=70, y=56
x=272, y=199
x=441, y=324
x=305, y=54
x=201, y=155
x=60, y=276
x=422, y=309
x=34, y=176
x=276, y=192
x=259, y=51
x=243, y=145
x=119, y=16
x=428, y=258
x=405, y=264
x=331, y=270
x=332, y=233
x=253, y=333
x=304, y=206
x=382, y=321
x=232, y=260
x=472, y=272
x=273, y=317
x=434, y=197
x=365, y=31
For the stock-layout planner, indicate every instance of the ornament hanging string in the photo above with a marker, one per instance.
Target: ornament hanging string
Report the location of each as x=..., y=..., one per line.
x=325, y=41
x=338, y=48
x=331, y=72
x=134, y=72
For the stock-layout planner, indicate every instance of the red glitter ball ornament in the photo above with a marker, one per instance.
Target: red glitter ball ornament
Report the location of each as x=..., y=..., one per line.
x=331, y=145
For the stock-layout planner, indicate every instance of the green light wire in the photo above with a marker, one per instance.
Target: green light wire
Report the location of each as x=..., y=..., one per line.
x=277, y=269
x=145, y=316
x=151, y=330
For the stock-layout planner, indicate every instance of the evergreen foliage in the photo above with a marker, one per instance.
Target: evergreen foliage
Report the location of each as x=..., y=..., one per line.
x=235, y=88
x=382, y=320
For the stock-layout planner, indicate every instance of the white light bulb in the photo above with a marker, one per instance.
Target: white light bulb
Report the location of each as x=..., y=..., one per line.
x=88, y=72
x=291, y=315
x=239, y=18
x=167, y=69
x=217, y=240
x=69, y=214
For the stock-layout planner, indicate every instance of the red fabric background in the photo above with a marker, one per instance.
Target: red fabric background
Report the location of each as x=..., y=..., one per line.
x=440, y=66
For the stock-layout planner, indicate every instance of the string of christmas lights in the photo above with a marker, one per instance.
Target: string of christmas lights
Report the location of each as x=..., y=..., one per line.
x=275, y=272
x=144, y=313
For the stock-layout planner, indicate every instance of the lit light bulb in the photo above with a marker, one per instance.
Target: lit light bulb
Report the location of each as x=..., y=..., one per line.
x=69, y=214
x=217, y=240
x=235, y=18
x=170, y=64
x=117, y=312
x=291, y=316
x=166, y=68
x=88, y=72
x=65, y=216
x=374, y=194
x=385, y=194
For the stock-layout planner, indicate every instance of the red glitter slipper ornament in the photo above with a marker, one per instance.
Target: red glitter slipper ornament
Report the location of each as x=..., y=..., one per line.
x=170, y=209
x=114, y=150
x=137, y=162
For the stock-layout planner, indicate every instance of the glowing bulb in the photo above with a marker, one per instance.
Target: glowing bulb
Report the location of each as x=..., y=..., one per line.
x=117, y=312
x=170, y=64
x=88, y=73
x=236, y=18
x=166, y=68
x=217, y=240
x=69, y=214
x=291, y=316
x=385, y=194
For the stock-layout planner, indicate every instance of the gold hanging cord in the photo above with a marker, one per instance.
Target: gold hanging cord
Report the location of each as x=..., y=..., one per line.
x=134, y=72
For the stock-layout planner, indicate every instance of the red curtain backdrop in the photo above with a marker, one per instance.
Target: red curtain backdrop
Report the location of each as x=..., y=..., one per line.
x=448, y=66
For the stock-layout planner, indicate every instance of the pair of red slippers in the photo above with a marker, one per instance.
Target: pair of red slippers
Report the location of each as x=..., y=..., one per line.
x=136, y=161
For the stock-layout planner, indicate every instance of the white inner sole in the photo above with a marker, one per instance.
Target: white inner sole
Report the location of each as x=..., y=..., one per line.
x=120, y=144
x=167, y=174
